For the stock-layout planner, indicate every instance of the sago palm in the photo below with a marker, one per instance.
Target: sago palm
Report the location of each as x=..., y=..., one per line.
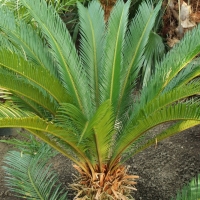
x=82, y=103
x=31, y=176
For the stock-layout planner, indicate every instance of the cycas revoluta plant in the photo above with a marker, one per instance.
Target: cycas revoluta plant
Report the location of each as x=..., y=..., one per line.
x=65, y=8
x=31, y=176
x=82, y=103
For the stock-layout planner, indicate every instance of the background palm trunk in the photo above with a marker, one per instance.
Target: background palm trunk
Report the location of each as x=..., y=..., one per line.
x=107, y=6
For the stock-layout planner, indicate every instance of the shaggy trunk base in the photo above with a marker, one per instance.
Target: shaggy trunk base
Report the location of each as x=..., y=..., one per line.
x=105, y=185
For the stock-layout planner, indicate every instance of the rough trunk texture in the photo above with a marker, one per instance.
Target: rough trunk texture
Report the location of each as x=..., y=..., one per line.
x=107, y=6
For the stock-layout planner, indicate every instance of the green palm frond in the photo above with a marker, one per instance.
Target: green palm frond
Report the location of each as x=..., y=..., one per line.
x=23, y=171
x=91, y=45
x=25, y=39
x=135, y=41
x=34, y=73
x=22, y=87
x=61, y=146
x=36, y=123
x=47, y=131
x=158, y=84
x=190, y=191
x=24, y=104
x=185, y=56
x=186, y=75
x=70, y=113
x=172, y=130
x=180, y=111
x=113, y=55
x=101, y=122
x=153, y=53
x=163, y=102
x=12, y=116
x=178, y=57
x=73, y=78
x=82, y=104
x=172, y=96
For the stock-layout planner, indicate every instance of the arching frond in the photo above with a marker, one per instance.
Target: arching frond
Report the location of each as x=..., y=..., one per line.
x=70, y=117
x=134, y=45
x=26, y=40
x=21, y=87
x=178, y=57
x=36, y=74
x=172, y=130
x=191, y=71
x=164, y=99
x=102, y=126
x=62, y=147
x=190, y=191
x=30, y=176
x=153, y=53
x=172, y=65
x=181, y=58
x=172, y=97
x=113, y=56
x=91, y=45
x=180, y=111
x=63, y=50
x=14, y=117
x=24, y=103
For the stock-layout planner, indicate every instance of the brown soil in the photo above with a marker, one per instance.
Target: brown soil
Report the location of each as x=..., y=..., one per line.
x=171, y=30
x=163, y=169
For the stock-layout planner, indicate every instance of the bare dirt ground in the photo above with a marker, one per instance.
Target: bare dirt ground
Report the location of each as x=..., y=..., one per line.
x=163, y=169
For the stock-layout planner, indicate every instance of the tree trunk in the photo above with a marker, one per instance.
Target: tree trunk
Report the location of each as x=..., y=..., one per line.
x=107, y=6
